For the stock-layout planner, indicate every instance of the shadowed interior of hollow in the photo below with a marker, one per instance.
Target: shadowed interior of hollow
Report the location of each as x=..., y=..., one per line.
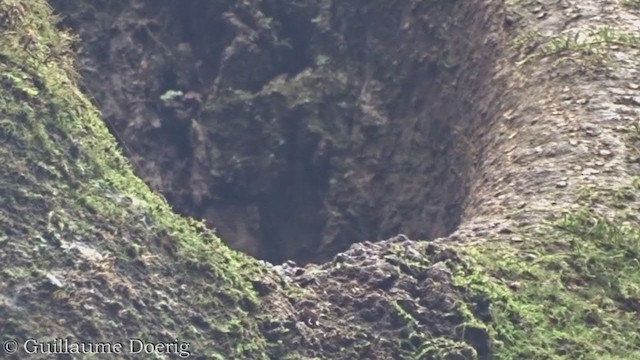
x=295, y=131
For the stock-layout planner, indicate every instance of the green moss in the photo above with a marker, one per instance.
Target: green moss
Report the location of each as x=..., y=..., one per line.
x=65, y=180
x=572, y=294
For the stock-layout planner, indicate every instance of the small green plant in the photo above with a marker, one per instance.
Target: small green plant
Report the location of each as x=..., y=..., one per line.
x=266, y=22
x=322, y=60
x=170, y=95
x=596, y=47
x=634, y=138
x=527, y=40
x=286, y=42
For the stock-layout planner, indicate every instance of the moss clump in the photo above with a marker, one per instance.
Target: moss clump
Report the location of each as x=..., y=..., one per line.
x=570, y=290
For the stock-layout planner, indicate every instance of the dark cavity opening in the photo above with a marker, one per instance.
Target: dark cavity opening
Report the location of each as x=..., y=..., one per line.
x=296, y=130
